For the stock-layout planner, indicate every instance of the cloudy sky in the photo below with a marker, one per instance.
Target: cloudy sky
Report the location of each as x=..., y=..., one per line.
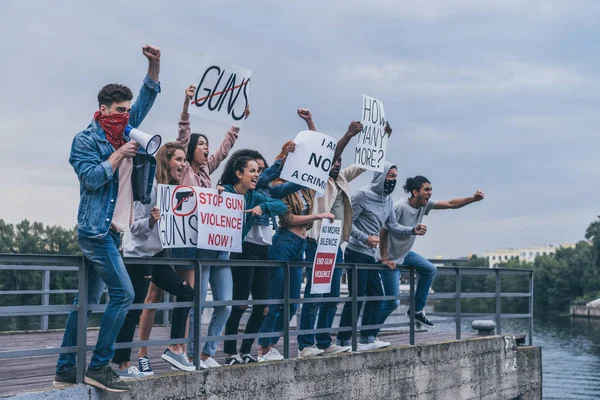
x=498, y=95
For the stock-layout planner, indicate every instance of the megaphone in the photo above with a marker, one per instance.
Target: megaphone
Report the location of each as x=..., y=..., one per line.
x=148, y=142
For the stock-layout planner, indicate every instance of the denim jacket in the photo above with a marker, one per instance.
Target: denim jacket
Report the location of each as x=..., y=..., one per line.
x=276, y=192
x=99, y=184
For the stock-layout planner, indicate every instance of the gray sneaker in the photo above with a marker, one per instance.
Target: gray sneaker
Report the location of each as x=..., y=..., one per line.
x=130, y=373
x=105, y=378
x=179, y=361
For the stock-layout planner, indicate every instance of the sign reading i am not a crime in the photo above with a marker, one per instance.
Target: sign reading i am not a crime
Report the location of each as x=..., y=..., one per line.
x=325, y=257
x=310, y=163
x=198, y=217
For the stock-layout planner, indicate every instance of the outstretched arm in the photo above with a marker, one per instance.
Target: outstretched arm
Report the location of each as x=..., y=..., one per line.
x=152, y=53
x=458, y=203
x=306, y=115
x=353, y=129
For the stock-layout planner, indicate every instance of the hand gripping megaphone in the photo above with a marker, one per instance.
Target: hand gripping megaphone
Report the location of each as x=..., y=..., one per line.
x=148, y=142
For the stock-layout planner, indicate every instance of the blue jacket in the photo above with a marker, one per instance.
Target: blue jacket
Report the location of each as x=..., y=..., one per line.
x=253, y=198
x=99, y=184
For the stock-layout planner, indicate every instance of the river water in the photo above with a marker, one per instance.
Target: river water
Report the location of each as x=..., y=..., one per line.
x=570, y=354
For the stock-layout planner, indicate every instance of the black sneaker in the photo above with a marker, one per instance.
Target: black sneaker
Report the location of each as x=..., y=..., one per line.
x=422, y=319
x=417, y=323
x=105, y=378
x=248, y=359
x=64, y=379
x=234, y=360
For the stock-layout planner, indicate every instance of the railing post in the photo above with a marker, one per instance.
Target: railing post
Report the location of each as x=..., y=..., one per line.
x=498, y=303
x=82, y=320
x=458, y=303
x=412, y=306
x=45, y=299
x=197, y=312
x=286, y=311
x=354, y=307
x=531, y=308
x=166, y=299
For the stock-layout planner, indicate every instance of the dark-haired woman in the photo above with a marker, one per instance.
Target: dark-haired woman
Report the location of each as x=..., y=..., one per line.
x=289, y=244
x=258, y=235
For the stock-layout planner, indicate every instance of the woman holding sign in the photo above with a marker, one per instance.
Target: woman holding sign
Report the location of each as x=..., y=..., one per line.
x=257, y=237
x=142, y=240
x=289, y=244
x=201, y=166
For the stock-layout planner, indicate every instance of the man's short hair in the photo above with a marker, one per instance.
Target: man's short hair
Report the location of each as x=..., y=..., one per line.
x=114, y=93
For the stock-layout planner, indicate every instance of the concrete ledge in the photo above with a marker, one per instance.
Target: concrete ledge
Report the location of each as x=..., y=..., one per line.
x=490, y=367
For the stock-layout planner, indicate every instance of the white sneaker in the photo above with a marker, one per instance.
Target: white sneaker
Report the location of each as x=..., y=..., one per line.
x=201, y=366
x=211, y=363
x=380, y=344
x=335, y=349
x=309, y=352
x=271, y=355
x=129, y=373
x=366, y=346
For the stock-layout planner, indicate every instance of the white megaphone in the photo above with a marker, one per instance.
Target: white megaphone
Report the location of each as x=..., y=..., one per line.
x=148, y=142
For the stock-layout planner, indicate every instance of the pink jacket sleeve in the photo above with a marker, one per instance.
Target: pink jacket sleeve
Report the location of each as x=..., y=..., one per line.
x=223, y=151
x=184, y=131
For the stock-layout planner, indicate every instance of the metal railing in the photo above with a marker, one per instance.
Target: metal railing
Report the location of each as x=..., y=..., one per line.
x=80, y=264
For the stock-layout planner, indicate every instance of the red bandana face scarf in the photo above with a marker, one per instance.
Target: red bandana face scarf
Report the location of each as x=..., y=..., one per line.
x=113, y=125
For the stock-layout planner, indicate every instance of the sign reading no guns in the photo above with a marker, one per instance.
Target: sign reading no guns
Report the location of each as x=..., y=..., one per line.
x=222, y=92
x=309, y=164
x=371, y=144
x=198, y=217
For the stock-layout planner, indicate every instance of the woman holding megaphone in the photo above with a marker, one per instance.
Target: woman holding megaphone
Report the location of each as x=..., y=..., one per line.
x=142, y=240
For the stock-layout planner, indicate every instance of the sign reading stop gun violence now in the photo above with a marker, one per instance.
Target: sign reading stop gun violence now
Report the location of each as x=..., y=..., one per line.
x=327, y=249
x=309, y=164
x=371, y=143
x=192, y=216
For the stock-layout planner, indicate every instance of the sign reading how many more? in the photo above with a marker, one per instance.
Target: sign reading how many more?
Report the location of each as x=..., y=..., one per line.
x=371, y=144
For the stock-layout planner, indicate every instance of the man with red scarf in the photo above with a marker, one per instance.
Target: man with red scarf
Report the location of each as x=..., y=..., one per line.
x=112, y=174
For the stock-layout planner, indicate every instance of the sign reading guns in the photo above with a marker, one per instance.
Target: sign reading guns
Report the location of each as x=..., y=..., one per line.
x=199, y=217
x=222, y=92
x=371, y=143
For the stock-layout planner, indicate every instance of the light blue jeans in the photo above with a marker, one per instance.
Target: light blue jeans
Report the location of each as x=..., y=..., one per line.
x=221, y=285
x=391, y=285
x=106, y=268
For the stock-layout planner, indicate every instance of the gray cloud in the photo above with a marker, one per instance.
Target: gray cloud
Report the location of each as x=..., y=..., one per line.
x=491, y=95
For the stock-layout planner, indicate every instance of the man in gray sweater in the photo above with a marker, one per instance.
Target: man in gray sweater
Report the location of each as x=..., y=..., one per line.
x=395, y=249
x=372, y=210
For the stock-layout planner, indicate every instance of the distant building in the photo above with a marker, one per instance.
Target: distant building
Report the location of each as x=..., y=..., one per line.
x=527, y=254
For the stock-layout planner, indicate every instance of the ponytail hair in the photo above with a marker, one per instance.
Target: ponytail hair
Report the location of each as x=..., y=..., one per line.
x=229, y=176
x=415, y=184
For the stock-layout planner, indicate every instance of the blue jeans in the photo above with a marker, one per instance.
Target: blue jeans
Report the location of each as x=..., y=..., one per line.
x=391, y=284
x=287, y=246
x=107, y=268
x=221, y=286
x=369, y=284
x=325, y=311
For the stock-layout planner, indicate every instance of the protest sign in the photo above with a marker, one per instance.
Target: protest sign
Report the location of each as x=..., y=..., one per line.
x=371, y=144
x=327, y=249
x=222, y=92
x=178, y=224
x=220, y=220
x=309, y=164
x=197, y=217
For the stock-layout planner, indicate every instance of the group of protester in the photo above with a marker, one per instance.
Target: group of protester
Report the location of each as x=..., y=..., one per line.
x=118, y=192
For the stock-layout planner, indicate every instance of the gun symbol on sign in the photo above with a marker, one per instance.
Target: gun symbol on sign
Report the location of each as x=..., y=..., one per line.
x=182, y=197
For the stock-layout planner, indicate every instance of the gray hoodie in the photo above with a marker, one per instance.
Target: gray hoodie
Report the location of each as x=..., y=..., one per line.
x=372, y=211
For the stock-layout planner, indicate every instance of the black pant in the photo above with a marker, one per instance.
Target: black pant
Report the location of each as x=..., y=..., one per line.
x=170, y=281
x=140, y=279
x=245, y=280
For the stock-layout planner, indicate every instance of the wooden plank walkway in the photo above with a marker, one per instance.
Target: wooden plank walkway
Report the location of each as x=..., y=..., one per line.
x=36, y=373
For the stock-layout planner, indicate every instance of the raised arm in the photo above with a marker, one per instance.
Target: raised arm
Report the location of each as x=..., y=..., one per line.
x=306, y=115
x=152, y=53
x=458, y=203
x=353, y=129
